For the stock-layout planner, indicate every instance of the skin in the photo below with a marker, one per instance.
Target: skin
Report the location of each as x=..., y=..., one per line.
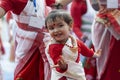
x=59, y=31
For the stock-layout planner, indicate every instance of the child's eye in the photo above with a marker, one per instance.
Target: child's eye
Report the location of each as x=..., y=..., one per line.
x=50, y=28
x=61, y=25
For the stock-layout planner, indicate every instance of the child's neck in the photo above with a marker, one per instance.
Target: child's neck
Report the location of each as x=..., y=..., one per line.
x=59, y=42
x=62, y=42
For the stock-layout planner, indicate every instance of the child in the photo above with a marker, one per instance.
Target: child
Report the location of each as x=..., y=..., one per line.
x=63, y=50
x=77, y=9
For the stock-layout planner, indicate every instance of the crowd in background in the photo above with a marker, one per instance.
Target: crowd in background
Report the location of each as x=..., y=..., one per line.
x=96, y=24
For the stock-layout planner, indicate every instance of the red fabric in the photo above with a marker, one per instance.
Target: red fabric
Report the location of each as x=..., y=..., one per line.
x=78, y=8
x=112, y=20
x=90, y=68
x=29, y=28
x=85, y=51
x=55, y=50
x=112, y=67
x=63, y=78
x=18, y=5
x=31, y=66
x=8, y=16
x=114, y=23
x=15, y=5
x=112, y=71
x=30, y=71
x=50, y=2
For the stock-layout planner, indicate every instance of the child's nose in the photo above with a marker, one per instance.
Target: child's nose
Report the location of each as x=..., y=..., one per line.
x=55, y=30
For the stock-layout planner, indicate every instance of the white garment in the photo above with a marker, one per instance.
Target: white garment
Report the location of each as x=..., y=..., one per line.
x=75, y=70
x=24, y=38
x=101, y=41
x=25, y=44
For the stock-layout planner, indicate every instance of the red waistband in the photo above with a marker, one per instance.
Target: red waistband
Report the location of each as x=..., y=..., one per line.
x=26, y=27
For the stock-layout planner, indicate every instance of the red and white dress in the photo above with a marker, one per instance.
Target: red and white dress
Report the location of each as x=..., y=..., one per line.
x=71, y=56
x=77, y=10
x=31, y=61
x=107, y=38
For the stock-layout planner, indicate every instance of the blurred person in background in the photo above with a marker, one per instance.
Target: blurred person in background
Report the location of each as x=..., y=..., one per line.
x=29, y=15
x=106, y=35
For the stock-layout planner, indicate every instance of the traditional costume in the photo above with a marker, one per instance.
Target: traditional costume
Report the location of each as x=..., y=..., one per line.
x=31, y=61
x=107, y=38
x=78, y=9
x=70, y=51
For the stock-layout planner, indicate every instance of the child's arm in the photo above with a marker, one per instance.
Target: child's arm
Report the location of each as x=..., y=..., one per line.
x=85, y=51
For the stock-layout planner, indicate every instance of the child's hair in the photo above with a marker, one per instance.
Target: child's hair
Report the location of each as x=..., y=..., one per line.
x=59, y=14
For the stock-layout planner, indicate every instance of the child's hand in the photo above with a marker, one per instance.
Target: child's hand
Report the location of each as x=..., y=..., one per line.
x=61, y=64
x=97, y=54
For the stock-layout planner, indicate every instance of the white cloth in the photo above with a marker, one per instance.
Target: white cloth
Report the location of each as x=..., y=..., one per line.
x=24, y=38
x=75, y=70
x=101, y=40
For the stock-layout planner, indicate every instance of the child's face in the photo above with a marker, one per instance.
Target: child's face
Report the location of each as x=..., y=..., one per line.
x=59, y=30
